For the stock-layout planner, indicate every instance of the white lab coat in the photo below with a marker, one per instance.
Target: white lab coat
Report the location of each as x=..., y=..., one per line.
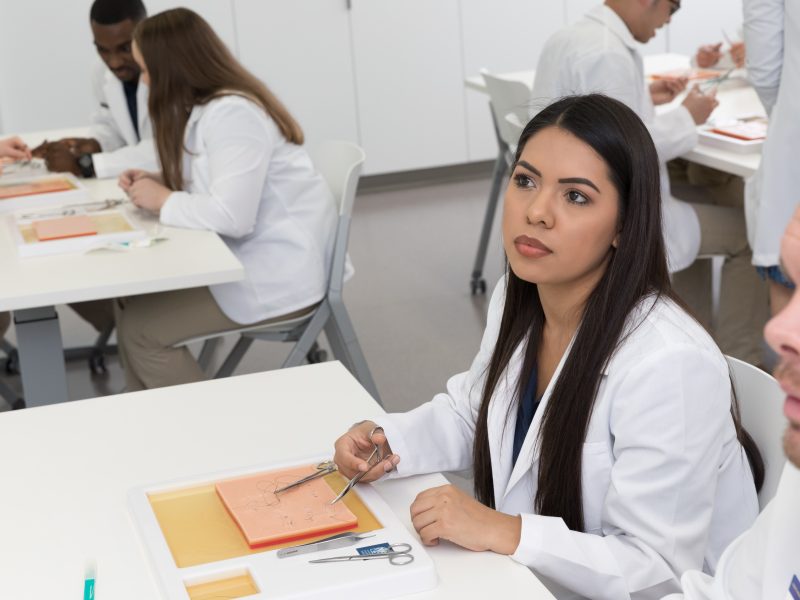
x=261, y=193
x=764, y=562
x=772, y=36
x=599, y=54
x=666, y=484
x=113, y=128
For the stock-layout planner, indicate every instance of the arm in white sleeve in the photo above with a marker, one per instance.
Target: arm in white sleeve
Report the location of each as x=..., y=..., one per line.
x=139, y=156
x=238, y=146
x=439, y=435
x=674, y=133
x=763, y=37
x=667, y=425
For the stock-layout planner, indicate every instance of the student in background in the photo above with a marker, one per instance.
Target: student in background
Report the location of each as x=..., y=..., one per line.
x=764, y=563
x=772, y=34
x=121, y=134
x=600, y=53
x=597, y=415
x=232, y=163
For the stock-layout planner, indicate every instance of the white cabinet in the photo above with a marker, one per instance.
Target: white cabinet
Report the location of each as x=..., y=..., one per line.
x=410, y=83
x=699, y=23
x=498, y=36
x=301, y=50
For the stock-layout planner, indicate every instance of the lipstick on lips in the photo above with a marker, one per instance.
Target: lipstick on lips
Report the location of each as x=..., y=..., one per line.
x=530, y=247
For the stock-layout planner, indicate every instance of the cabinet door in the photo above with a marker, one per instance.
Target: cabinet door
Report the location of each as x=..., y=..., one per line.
x=218, y=13
x=409, y=77
x=698, y=23
x=301, y=50
x=498, y=36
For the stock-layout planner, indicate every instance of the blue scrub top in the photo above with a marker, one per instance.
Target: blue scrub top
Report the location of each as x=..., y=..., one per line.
x=527, y=408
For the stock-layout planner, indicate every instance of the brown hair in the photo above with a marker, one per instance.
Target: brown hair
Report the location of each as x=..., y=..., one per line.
x=190, y=65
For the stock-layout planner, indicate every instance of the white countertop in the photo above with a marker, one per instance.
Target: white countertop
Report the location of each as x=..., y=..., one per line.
x=67, y=469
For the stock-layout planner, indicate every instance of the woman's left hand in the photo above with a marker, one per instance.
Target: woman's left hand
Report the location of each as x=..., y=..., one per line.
x=448, y=513
x=148, y=194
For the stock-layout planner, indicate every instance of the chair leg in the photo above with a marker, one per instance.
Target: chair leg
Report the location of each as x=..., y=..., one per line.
x=234, y=358
x=477, y=282
x=210, y=347
x=309, y=336
x=344, y=344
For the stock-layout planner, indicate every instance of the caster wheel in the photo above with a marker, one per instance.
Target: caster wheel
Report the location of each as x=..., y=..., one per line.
x=19, y=404
x=12, y=363
x=477, y=286
x=97, y=364
x=316, y=356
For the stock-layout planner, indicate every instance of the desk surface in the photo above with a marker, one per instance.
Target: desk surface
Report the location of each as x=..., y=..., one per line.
x=188, y=259
x=736, y=99
x=68, y=468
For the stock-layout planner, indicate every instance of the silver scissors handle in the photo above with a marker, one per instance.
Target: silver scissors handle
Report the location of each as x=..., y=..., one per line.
x=358, y=476
x=397, y=555
x=323, y=468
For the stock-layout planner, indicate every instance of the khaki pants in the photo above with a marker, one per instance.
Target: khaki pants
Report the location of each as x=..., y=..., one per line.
x=718, y=200
x=148, y=327
x=99, y=313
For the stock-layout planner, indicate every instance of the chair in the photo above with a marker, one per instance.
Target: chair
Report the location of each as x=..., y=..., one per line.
x=505, y=96
x=760, y=402
x=340, y=164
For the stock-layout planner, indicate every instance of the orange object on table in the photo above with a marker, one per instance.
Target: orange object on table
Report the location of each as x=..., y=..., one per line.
x=267, y=518
x=690, y=74
x=39, y=186
x=64, y=227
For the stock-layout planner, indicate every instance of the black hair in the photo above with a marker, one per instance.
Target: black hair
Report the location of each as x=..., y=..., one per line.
x=111, y=12
x=637, y=269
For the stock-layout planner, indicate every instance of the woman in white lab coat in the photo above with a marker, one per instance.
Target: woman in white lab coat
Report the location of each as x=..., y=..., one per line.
x=232, y=163
x=597, y=415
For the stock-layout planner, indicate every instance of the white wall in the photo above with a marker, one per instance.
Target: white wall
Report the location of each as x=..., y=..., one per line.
x=47, y=57
x=387, y=73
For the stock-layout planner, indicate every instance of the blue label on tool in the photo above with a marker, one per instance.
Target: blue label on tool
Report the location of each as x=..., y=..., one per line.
x=375, y=549
x=794, y=588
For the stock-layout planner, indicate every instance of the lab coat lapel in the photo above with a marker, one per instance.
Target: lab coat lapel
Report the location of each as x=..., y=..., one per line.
x=143, y=112
x=529, y=453
x=115, y=96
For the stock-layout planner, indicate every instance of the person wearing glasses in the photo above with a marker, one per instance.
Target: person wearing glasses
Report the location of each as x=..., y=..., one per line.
x=601, y=53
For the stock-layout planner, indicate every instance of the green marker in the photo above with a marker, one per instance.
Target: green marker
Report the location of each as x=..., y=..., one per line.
x=88, y=583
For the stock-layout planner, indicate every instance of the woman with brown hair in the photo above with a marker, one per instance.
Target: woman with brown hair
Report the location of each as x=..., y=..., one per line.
x=232, y=163
x=597, y=416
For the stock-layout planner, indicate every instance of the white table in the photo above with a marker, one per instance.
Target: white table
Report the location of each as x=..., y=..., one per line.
x=68, y=468
x=33, y=286
x=736, y=98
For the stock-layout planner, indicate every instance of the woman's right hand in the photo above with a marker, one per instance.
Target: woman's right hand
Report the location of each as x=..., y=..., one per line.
x=128, y=177
x=354, y=448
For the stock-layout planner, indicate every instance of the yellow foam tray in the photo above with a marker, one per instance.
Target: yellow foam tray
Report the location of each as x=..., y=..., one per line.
x=199, y=530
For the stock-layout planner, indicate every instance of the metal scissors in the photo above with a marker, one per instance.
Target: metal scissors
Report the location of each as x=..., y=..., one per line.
x=328, y=466
x=397, y=555
x=324, y=468
x=375, y=458
x=716, y=81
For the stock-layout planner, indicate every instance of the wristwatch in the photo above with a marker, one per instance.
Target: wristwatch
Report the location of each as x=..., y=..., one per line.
x=86, y=165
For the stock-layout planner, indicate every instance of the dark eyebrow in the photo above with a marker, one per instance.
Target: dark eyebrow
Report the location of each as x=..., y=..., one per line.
x=580, y=180
x=529, y=166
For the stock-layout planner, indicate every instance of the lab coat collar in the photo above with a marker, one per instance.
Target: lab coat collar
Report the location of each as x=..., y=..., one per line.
x=614, y=23
x=118, y=105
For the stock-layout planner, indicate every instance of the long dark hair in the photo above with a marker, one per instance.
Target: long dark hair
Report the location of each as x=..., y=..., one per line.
x=189, y=65
x=637, y=269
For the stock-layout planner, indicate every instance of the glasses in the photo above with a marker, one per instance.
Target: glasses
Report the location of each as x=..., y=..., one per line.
x=675, y=6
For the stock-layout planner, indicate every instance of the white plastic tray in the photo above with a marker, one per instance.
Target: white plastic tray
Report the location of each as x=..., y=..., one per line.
x=293, y=577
